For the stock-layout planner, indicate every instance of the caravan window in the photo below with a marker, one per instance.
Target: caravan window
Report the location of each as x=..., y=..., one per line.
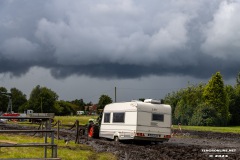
x=118, y=117
x=106, y=117
x=157, y=117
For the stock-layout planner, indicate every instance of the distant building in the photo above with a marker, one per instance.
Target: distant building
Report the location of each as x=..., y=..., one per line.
x=91, y=109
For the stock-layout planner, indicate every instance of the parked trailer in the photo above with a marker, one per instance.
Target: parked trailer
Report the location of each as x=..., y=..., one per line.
x=148, y=121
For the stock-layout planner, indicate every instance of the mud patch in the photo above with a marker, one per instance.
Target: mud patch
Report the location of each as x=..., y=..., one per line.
x=187, y=145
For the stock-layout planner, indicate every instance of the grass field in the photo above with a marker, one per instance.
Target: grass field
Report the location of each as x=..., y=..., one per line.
x=66, y=152
x=70, y=120
x=71, y=151
x=231, y=129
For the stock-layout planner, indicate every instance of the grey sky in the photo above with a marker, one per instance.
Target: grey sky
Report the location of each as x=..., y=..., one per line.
x=81, y=48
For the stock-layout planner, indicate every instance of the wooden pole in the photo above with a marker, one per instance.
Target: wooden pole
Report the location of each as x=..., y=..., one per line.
x=77, y=133
x=115, y=94
x=45, y=148
x=58, y=129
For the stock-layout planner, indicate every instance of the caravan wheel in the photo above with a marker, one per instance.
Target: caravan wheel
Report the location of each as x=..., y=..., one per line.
x=116, y=139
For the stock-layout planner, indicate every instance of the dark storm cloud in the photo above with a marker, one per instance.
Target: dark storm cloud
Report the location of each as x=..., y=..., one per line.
x=120, y=38
x=121, y=71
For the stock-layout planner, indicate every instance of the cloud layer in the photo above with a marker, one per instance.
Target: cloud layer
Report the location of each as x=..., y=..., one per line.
x=120, y=38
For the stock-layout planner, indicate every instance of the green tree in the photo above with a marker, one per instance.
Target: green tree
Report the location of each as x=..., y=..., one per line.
x=34, y=101
x=234, y=104
x=103, y=101
x=204, y=115
x=65, y=108
x=182, y=112
x=42, y=99
x=3, y=100
x=172, y=99
x=18, y=99
x=80, y=103
x=238, y=79
x=184, y=102
x=237, y=102
x=215, y=95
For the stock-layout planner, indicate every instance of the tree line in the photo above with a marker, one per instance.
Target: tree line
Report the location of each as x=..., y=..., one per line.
x=203, y=104
x=210, y=104
x=44, y=100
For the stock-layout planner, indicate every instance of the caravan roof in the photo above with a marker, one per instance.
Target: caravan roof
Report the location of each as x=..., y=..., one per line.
x=137, y=106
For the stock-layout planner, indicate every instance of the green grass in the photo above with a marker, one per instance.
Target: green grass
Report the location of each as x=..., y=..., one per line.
x=65, y=120
x=231, y=129
x=66, y=152
x=70, y=120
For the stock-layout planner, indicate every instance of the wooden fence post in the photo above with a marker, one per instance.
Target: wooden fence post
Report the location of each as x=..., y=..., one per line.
x=77, y=132
x=58, y=129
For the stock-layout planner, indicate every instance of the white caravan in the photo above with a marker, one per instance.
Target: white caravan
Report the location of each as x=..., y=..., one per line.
x=149, y=120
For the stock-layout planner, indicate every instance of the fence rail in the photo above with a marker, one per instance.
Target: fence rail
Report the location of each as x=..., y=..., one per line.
x=45, y=144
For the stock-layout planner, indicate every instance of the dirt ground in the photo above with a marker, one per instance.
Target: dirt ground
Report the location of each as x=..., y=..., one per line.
x=193, y=145
x=185, y=145
x=182, y=146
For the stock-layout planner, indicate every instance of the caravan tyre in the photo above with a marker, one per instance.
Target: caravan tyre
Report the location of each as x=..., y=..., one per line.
x=95, y=131
x=158, y=142
x=116, y=139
